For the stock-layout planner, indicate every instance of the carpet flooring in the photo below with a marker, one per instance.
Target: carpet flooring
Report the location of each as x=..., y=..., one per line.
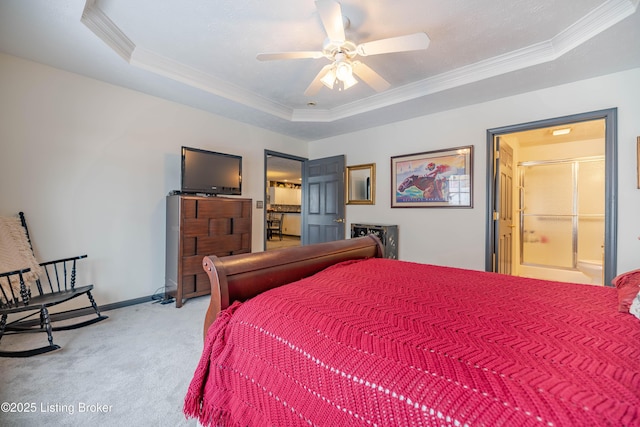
x=132, y=369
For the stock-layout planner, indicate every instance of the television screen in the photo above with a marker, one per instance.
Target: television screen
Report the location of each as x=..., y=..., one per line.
x=209, y=172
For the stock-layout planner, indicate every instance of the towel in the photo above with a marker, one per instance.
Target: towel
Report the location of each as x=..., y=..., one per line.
x=16, y=254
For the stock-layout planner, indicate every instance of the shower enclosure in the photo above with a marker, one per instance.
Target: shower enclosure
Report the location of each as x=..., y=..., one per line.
x=562, y=212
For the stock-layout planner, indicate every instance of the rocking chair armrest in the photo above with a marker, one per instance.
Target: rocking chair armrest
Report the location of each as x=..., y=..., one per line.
x=12, y=273
x=57, y=261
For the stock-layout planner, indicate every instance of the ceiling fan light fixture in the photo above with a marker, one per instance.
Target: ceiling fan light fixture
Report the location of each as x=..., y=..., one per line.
x=341, y=52
x=348, y=82
x=329, y=78
x=344, y=71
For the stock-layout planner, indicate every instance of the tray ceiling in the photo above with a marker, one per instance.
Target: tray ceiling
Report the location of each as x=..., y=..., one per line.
x=203, y=54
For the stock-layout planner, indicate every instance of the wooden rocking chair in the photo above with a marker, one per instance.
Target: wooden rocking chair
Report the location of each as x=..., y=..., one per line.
x=55, y=283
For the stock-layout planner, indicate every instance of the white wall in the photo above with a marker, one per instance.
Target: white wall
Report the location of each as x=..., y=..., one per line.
x=90, y=164
x=456, y=237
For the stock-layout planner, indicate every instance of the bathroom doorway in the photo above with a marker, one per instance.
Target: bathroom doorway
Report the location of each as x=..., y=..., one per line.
x=552, y=199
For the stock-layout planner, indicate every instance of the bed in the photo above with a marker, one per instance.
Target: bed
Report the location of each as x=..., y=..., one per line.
x=335, y=335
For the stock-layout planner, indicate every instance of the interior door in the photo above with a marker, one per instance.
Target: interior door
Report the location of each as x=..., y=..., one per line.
x=503, y=215
x=323, y=200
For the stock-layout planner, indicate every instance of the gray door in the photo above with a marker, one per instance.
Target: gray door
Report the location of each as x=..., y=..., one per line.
x=323, y=200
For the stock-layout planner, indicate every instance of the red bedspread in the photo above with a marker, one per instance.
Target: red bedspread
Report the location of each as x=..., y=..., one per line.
x=390, y=343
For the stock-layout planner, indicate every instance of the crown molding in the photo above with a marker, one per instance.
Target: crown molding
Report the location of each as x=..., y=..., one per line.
x=166, y=67
x=478, y=71
x=103, y=27
x=595, y=22
x=598, y=20
x=592, y=24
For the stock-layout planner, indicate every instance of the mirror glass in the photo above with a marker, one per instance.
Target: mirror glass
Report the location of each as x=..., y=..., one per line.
x=361, y=184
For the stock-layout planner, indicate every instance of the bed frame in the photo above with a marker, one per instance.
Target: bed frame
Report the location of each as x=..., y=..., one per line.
x=243, y=276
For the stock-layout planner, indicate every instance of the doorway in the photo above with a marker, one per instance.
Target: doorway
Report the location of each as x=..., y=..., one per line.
x=283, y=206
x=551, y=199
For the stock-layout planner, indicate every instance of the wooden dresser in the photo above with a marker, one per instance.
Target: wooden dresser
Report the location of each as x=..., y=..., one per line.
x=199, y=226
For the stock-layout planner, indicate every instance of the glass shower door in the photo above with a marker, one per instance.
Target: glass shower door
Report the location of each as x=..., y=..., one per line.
x=561, y=212
x=591, y=211
x=547, y=220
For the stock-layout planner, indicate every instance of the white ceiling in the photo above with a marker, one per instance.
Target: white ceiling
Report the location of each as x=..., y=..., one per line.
x=203, y=53
x=579, y=131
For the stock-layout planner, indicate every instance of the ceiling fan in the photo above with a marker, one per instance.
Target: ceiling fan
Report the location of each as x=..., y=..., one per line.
x=342, y=52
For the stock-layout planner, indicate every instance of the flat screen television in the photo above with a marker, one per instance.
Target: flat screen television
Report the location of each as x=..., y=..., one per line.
x=208, y=172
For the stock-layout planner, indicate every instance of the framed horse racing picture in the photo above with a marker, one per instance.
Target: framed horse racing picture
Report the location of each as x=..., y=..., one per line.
x=433, y=179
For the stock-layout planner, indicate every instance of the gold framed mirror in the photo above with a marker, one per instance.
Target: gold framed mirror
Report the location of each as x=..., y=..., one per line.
x=361, y=184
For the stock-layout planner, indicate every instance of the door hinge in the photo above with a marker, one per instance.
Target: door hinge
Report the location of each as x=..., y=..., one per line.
x=496, y=215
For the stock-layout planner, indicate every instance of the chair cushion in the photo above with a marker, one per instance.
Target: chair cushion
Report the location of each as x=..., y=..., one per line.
x=16, y=253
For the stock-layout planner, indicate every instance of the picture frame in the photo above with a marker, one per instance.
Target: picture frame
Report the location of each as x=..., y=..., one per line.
x=361, y=184
x=433, y=179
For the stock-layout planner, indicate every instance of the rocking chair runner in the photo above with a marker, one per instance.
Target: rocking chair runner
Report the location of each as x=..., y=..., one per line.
x=56, y=285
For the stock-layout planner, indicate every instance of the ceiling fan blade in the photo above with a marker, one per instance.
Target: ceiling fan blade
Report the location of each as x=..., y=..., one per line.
x=316, y=84
x=417, y=41
x=289, y=55
x=331, y=16
x=370, y=77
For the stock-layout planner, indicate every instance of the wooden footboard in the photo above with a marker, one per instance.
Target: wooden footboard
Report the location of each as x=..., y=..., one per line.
x=240, y=277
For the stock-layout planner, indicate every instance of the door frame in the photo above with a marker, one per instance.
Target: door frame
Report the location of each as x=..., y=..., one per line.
x=610, y=117
x=302, y=160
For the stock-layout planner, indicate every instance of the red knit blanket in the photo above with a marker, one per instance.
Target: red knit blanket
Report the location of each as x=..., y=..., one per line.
x=390, y=343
